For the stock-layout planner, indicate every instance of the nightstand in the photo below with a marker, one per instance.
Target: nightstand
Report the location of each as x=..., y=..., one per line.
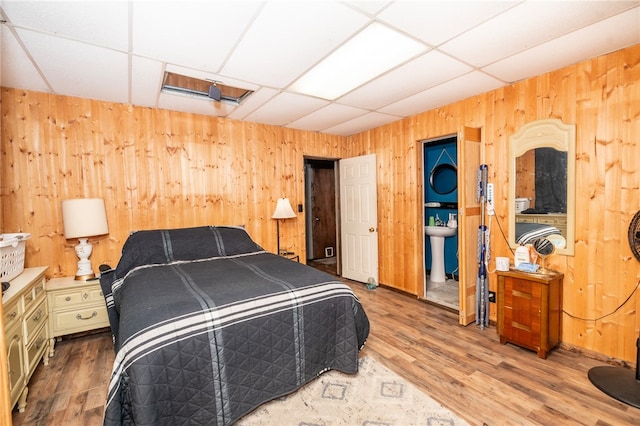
x=530, y=310
x=74, y=306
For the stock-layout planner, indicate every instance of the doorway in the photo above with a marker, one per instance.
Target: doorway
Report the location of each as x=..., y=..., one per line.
x=321, y=214
x=441, y=254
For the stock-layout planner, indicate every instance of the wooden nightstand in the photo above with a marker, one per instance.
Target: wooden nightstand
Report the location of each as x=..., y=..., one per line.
x=530, y=310
x=74, y=306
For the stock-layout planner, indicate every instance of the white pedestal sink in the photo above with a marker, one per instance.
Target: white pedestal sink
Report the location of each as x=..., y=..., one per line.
x=437, y=235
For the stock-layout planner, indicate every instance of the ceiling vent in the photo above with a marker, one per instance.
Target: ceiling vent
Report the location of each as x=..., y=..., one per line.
x=203, y=89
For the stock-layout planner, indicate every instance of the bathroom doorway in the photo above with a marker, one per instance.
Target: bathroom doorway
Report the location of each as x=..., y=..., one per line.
x=440, y=219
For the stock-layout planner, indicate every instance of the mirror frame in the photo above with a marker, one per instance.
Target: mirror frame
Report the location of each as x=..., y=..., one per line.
x=547, y=133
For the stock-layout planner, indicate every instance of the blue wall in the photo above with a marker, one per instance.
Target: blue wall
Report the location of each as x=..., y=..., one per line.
x=434, y=155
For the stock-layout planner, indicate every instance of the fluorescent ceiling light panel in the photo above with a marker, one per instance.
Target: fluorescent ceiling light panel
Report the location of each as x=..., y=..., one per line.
x=373, y=51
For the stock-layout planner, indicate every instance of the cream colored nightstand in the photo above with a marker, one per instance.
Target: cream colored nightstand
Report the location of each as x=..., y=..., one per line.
x=74, y=306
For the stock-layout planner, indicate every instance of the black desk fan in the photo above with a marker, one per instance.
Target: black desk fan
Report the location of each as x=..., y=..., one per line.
x=621, y=383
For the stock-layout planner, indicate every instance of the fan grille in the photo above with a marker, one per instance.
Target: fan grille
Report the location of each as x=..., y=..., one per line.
x=634, y=235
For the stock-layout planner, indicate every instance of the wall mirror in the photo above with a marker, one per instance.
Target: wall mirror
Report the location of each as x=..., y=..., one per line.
x=541, y=195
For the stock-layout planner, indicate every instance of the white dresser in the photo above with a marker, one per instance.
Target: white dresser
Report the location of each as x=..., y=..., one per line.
x=25, y=317
x=74, y=306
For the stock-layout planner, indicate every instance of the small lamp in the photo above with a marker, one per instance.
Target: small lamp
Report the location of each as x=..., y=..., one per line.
x=283, y=211
x=82, y=218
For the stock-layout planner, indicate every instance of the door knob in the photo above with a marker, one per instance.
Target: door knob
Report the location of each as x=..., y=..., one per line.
x=372, y=229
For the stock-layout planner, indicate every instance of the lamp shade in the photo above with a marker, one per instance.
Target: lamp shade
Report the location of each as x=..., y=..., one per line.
x=283, y=210
x=84, y=217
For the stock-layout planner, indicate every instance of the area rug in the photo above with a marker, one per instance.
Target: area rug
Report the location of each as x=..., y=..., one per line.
x=375, y=396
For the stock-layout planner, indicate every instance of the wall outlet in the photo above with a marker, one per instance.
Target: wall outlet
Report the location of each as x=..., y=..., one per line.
x=492, y=297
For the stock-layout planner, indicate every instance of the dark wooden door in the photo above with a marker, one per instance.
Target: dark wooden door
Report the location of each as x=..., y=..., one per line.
x=323, y=211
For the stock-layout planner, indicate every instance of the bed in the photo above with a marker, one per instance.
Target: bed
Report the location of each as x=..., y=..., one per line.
x=207, y=326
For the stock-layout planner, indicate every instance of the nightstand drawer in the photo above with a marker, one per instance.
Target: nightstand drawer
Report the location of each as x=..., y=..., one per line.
x=76, y=320
x=63, y=300
x=34, y=319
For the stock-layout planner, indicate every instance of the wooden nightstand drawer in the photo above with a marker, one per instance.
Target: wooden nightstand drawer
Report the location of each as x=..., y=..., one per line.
x=34, y=319
x=76, y=320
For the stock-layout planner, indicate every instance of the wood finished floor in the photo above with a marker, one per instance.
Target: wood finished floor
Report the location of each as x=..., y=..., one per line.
x=466, y=369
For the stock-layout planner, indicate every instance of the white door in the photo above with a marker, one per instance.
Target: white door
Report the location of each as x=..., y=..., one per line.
x=359, y=218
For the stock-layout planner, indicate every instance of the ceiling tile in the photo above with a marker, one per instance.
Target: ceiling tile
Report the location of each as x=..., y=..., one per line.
x=432, y=21
x=79, y=69
x=253, y=102
x=452, y=91
x=195, y=34
x=526, y=26
x=326, y=117
x=623, y=29
x=420, y=74
x=288, y=38
x=97, y=22
x=146, y=81
x=285, y=108
x=17, y=68
x=362, y=123
x=369, y=6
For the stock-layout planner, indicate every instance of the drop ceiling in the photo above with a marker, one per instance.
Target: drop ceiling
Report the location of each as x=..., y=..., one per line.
x=119, y=51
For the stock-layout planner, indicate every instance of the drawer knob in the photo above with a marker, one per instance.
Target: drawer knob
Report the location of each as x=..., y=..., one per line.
x=80, y=317
x=37, y=316
x=13, y=314
x=67, y=299
x=40, y=342
x=85, y=295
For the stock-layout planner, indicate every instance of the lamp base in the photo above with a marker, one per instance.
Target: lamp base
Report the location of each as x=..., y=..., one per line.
x=83, y=251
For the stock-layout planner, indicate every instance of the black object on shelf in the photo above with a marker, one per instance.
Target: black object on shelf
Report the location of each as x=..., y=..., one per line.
x=620, y=383
x=5, y=286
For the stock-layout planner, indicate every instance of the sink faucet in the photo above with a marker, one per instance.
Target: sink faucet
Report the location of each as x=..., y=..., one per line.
x=438, y=221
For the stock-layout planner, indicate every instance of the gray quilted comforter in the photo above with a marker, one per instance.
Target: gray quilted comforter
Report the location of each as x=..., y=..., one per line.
x=207, y=326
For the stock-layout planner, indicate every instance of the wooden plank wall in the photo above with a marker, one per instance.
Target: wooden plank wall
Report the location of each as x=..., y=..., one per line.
x=158, y=168
x=154, y=168
x=602, y=97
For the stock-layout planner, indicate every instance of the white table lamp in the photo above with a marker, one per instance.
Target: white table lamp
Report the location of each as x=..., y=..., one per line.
x=82, y=218
x=283, y=211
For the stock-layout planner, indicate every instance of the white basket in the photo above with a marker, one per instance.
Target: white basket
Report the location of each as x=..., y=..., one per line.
x=522, y=204
x=12, y=255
